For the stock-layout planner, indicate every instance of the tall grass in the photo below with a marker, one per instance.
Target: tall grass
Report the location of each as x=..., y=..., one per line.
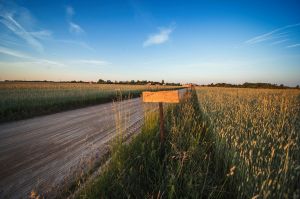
x=258, y=131
x=187, y=169
x=235, y=143
x=25, y=99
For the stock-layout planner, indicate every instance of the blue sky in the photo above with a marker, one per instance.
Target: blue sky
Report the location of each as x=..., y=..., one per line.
x=178, y=41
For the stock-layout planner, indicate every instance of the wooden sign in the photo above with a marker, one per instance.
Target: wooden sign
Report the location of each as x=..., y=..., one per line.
x=161, y=96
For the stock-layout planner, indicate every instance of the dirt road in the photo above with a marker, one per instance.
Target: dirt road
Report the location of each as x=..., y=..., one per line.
x=39, y=153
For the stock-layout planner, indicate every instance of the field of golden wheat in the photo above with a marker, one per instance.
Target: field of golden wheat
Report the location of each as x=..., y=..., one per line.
x=258, y=131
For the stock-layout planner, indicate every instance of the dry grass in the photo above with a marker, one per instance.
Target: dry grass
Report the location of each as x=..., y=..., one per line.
x=234, y=143
x=258, y=131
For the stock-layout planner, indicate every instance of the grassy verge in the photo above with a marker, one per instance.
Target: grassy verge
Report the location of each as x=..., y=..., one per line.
x=25, y=100
x=191, y=167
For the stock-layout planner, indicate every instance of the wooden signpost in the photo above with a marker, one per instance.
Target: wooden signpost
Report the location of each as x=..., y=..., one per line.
x=160, y=97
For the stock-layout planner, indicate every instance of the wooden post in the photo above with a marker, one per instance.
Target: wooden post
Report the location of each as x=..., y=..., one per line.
x=160, y=97
x=161, y=125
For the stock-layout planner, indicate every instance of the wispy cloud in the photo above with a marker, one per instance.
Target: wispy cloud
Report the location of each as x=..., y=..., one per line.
x=30, y=59
x=159, y=38
x=46, y=62
x=43, y=34
x=93, y=62
x=31, y=64
x=78, y=43
x=293, y=45
x=14, y=53
x=274, y=34
x=22, y=25
x=73, y=27
x=279, y=42
x=70, y=11
x=19, y=21
x=13, y=25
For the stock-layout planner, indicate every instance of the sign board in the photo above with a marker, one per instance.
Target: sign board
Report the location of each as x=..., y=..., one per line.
x=189, y=85
x=161, y=96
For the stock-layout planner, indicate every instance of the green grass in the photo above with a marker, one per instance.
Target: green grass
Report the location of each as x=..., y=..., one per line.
x=26, y=99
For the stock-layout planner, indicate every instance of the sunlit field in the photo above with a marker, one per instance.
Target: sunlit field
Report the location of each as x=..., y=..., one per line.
x=221, y=143
x=257, y=131
x=27, y=99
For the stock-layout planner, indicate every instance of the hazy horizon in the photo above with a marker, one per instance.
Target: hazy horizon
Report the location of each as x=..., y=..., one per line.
x=175, y=41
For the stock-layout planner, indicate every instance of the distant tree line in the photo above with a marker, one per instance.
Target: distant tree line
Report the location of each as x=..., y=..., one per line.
x=137, y=82
x=101, y=81
x=251, y=85
x=28, y=81
x=49, y=81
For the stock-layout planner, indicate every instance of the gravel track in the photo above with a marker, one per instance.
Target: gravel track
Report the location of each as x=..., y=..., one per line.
x=39, y=153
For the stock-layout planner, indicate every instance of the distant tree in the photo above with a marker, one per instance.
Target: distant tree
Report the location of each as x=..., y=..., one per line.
x=101, y=81
x=109, y=82
x=250, y=85
x=297, y=86
x=162, y=82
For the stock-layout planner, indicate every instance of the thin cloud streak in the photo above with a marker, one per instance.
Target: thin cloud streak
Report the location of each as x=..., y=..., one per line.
x=279, y=42
x=49, y=62
x=159, y=38
x=93, y=62
x=9, y=16
x=74, y=42
x=35, y=63
x=73, y=27
x=35, y=60
x=21, y=55
x=43, y=34
x=293, y=46
x=276, y=33
x=31, y=38
x=14, y=53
